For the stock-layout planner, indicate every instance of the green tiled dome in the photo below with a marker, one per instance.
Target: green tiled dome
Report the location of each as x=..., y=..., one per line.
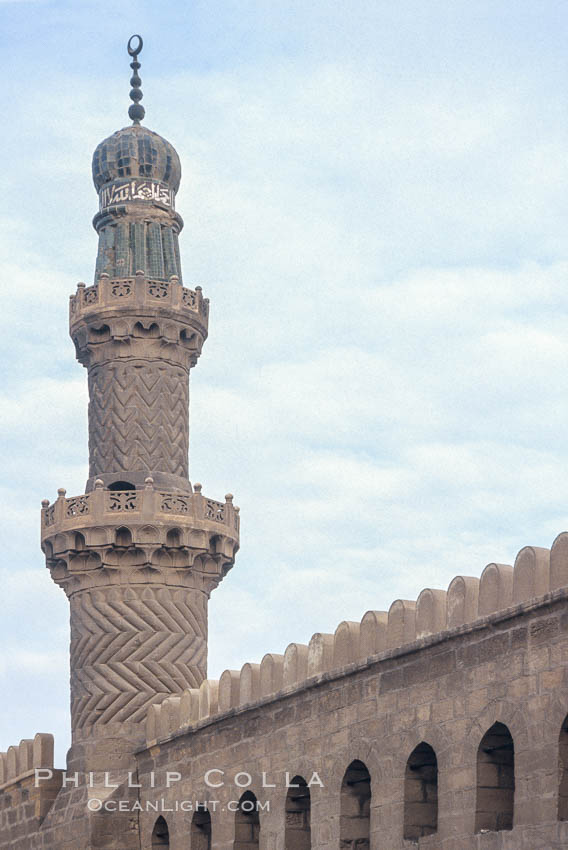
x=136, y=152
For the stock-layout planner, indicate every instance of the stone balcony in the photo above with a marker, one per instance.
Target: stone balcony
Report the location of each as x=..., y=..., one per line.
x=138, y=316
x=138, y=291
x=138, y=528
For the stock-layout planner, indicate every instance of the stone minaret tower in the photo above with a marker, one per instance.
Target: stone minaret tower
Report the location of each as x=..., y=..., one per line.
x=139, y=553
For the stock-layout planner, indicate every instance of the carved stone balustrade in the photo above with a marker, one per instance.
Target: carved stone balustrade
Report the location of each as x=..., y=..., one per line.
x=127, y=310
x=120, y=535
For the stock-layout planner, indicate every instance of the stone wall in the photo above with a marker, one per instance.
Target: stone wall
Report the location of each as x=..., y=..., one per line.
x=442, y=723
x=504, y=673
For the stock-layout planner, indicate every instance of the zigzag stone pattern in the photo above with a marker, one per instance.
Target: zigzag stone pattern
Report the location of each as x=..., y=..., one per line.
x=138, y=417
x=132, y=646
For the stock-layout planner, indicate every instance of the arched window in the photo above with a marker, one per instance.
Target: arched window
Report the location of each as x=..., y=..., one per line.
x=421, y=793
x=174, y=537
x=121, y=485
x=161, y=834
x=495, y=780
x=355, y=811
x=247, y=823
x=563, y=772
x=297, y=834
x=123, y=536
x=201, y=830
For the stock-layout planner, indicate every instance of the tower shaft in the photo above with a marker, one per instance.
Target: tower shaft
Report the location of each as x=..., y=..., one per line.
x=138, y=420
x=138, y=338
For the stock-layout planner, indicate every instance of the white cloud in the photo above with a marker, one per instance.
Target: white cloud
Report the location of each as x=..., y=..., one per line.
x=38, y=664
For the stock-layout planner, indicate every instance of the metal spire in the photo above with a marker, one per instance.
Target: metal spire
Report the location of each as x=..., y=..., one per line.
x=136, y=110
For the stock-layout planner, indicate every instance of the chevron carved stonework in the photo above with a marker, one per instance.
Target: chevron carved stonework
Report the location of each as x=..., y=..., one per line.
x=131, y=647
x=138, y=417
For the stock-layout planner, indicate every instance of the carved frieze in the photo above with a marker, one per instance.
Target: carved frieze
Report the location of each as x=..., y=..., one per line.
x=136, y=191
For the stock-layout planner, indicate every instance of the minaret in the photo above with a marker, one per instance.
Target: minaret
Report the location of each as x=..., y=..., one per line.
x=139, y=553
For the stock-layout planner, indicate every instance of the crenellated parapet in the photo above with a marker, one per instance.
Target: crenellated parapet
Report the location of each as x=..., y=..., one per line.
x=18, y=767
x=408, y=624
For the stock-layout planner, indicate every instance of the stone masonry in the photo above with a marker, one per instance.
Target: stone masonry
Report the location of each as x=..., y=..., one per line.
x=441, y=723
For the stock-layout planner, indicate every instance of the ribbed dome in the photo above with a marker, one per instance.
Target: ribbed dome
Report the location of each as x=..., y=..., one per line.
x=136, y=152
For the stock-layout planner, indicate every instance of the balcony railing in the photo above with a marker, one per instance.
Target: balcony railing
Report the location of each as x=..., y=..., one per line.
x=109, y=292
x=101, y=505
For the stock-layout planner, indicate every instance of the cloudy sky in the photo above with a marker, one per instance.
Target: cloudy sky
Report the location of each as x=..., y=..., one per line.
x=376, y=199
